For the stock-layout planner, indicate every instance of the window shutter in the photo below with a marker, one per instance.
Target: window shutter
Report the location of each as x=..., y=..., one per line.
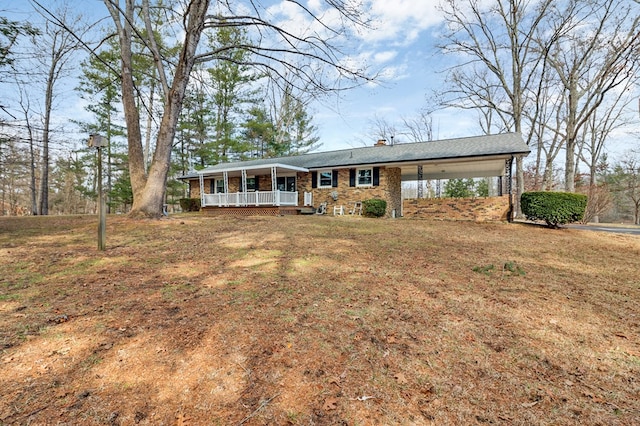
x=314, y=179
x=376, y=176
x=212, y=186
x=334, y=178
x=352, y=177
x=257, y=183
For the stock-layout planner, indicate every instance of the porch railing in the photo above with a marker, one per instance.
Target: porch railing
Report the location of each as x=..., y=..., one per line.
x=246, y=199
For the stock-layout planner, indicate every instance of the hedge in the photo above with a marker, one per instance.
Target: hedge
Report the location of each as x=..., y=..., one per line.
x=374, y=208
x=555, y=208
x=190, y=204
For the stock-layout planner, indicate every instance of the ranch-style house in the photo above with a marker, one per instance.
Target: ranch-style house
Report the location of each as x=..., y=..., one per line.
x=338, y=181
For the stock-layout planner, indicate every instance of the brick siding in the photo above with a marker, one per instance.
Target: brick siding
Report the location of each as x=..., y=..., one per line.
x=388, y=190
x=489, y=209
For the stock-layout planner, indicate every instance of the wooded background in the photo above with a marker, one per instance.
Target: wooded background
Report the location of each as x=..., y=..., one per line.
x=175, y=86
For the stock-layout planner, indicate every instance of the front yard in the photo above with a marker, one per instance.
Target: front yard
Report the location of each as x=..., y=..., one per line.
x=316, y=320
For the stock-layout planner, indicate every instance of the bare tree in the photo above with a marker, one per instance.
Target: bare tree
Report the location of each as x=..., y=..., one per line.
x=56, y=46
x=31, y=131
x=501, y=60
x=308, y=55
x=625, y=179
x=381, y=128
x=418, y=128
x=592, y=61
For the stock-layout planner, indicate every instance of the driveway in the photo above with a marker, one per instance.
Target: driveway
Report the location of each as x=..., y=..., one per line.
x=603, y=227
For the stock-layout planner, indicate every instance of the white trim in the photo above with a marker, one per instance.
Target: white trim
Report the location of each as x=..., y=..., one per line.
x=258, y=198
x=364, y=185
x=225, y=176
x=201, y=179
x=249, y=168
x=320, y=179
x=217, y=180
x=274, y=178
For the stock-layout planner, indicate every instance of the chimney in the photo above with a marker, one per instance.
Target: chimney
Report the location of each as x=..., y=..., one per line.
x=381, y=142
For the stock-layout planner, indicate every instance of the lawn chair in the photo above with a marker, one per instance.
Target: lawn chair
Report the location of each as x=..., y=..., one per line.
x=322, y=208
x=356, y=209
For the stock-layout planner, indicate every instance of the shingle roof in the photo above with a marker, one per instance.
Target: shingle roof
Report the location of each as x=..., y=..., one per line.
x=460, y=148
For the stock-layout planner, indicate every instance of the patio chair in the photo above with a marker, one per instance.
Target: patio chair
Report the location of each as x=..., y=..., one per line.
x=322, y=208
x=356, y=209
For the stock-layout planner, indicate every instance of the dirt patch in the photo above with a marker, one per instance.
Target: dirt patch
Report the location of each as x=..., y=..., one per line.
x=316, y=320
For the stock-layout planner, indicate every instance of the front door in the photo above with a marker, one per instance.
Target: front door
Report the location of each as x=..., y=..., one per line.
x=287, y=183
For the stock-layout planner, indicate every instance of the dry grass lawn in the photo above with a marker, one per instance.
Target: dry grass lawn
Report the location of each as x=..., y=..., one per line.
x=316, y=321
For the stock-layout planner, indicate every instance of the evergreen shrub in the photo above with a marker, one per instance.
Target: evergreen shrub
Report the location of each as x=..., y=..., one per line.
x=190, y=204
x=374, y=208
x=555, y=208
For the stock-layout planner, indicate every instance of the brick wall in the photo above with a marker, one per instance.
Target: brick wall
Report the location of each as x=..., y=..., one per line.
x=490, y=209
x=389, y=190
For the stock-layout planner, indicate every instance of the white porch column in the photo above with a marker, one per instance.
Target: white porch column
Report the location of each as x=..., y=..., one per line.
x=244, y=188
x=274, y=186
x=201, y=179
x=225, y=180
x=244, y=180
x=274, y=179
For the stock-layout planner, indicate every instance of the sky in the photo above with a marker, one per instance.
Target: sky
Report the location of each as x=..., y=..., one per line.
x=399, y=45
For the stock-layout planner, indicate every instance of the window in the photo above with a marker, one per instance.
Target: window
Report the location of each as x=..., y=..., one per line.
x=286, y=183
x=364, y=177
x=219, y=189
x=325, y=179
x=252, y=184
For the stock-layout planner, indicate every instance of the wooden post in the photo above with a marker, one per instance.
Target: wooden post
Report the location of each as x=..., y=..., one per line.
x=98, y=142
x=102, y=208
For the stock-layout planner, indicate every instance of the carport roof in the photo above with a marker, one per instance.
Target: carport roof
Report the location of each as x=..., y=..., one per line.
x=447, y=151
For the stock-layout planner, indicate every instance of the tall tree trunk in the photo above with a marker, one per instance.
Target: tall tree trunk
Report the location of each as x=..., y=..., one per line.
x=148, y=189
x=48, y=102
x=137, y=170
x=32, y=172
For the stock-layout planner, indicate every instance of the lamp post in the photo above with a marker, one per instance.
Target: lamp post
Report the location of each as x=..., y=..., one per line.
x=99, y=142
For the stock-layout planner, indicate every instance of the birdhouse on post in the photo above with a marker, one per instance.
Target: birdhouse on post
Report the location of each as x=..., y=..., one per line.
x=97, y=141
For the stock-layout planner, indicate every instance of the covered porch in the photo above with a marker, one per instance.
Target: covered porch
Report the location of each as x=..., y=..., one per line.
x=250, y=186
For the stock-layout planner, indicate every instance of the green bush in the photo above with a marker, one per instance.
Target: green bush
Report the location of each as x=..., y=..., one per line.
x=555, y=208
x=374, y=208
x=190, y=204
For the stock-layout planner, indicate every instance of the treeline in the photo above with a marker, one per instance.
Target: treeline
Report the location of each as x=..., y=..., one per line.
x=230, y=112
x=563, y=73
